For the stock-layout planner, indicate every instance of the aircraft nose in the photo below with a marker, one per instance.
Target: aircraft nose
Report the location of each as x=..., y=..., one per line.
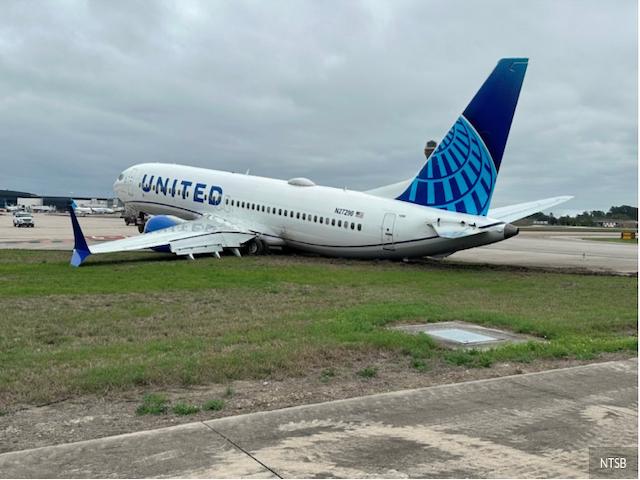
x=510, y=231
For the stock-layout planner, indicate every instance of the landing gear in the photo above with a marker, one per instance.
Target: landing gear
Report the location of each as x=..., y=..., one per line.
x=257, y=247
x=142, y=222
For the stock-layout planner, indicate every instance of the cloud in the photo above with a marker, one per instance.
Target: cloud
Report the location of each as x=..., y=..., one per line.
x=342, y=92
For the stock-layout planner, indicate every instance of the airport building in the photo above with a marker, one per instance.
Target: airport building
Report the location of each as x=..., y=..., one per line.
x=30, y=200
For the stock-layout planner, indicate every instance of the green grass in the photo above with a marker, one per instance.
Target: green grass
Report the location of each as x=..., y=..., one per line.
x=153, y=404
x=368, y=372
x=630, y=241
x=139, y=320
x=214, y=405
x=182, y=408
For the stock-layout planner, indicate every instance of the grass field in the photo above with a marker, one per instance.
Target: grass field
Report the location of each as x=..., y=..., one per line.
x=630, y=241
x=116, y=324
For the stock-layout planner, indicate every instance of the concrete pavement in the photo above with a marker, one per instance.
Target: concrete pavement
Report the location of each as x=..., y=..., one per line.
x=536, y=425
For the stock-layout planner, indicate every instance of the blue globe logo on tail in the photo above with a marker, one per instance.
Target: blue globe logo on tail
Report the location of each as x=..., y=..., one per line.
x=459, y=176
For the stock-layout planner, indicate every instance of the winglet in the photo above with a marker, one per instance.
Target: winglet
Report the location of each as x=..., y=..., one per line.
x=80, y=249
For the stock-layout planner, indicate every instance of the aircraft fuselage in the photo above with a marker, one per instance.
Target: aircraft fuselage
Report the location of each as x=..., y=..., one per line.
x=324, y=220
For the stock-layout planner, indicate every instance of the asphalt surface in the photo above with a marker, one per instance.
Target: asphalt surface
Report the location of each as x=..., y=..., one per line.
x=560, y=249
x=538, y=425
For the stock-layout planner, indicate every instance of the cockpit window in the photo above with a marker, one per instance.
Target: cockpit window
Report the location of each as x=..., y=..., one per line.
x=121, y=176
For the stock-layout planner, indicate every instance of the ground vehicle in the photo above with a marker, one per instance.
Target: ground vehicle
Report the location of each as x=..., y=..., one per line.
x=134, y=219
x=23, y=219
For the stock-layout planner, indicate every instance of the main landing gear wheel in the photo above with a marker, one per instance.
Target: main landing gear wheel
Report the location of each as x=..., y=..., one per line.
x=142, y=223
x=255, y=247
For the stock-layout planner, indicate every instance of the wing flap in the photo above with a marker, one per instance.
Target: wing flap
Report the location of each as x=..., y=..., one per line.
x=209, y=243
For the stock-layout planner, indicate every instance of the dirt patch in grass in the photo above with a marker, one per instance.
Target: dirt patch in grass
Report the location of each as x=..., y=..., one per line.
x=90, y=417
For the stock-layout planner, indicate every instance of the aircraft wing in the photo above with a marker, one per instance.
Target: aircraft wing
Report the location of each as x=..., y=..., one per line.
x=521, y=210
x=207, y=234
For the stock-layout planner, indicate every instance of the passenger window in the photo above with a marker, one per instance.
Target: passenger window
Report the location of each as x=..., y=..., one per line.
x=263, y=208
x=333, y=222
x=326, y=220
x=339, y=223
x=227, y=202
x=279, y=211
x=253, y=206
x=232, y=203
x=346, y=224
x=353, y=225
x=315, y=218
x=321, y=219
x=291, y=213
x=285, y=213
x=297, y=215
x=304, y=216
x=359, y=226
x=205, y=197
x=242, y=204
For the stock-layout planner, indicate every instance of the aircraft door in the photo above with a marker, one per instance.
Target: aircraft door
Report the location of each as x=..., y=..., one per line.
x=227, y=203
x=387, y=231
x=130, y=181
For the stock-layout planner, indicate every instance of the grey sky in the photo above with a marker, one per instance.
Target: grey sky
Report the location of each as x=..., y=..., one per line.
x=343, y=92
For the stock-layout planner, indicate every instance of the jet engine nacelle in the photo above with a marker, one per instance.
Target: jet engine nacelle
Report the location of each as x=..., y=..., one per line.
x=158, y=223
x=161, y=221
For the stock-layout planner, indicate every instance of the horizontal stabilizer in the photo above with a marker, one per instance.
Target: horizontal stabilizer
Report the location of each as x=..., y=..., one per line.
x=515, y=212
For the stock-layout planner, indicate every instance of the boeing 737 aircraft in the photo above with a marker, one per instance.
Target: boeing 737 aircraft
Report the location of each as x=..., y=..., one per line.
x=443, y=209
x=10, y=208
x=90, y=209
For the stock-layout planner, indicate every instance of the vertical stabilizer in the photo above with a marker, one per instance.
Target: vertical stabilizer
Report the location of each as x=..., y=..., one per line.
x=461, y=174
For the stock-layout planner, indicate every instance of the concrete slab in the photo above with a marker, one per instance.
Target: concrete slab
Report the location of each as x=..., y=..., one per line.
x=466, y=335
x=538, y=425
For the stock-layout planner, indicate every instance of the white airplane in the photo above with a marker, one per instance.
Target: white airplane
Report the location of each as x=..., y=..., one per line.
x=11, y=208
x=443, y=209
x=101, y=210
x=81, y=210
x=90, y=209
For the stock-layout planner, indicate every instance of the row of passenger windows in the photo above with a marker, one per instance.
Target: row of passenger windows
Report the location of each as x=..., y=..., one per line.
x=297, y=215
x=300, y=216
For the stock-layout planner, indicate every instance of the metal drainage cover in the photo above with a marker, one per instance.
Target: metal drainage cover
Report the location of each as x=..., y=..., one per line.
x=461, y=336
x=464, y=335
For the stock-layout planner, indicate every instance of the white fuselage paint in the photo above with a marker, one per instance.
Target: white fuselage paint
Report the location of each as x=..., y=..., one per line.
x=382, y=227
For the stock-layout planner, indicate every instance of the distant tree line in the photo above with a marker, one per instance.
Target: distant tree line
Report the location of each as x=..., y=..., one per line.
x=587, y=219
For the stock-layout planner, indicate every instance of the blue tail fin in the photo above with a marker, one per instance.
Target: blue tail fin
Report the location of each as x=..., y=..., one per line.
x=80, y=248
x=461, y=174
